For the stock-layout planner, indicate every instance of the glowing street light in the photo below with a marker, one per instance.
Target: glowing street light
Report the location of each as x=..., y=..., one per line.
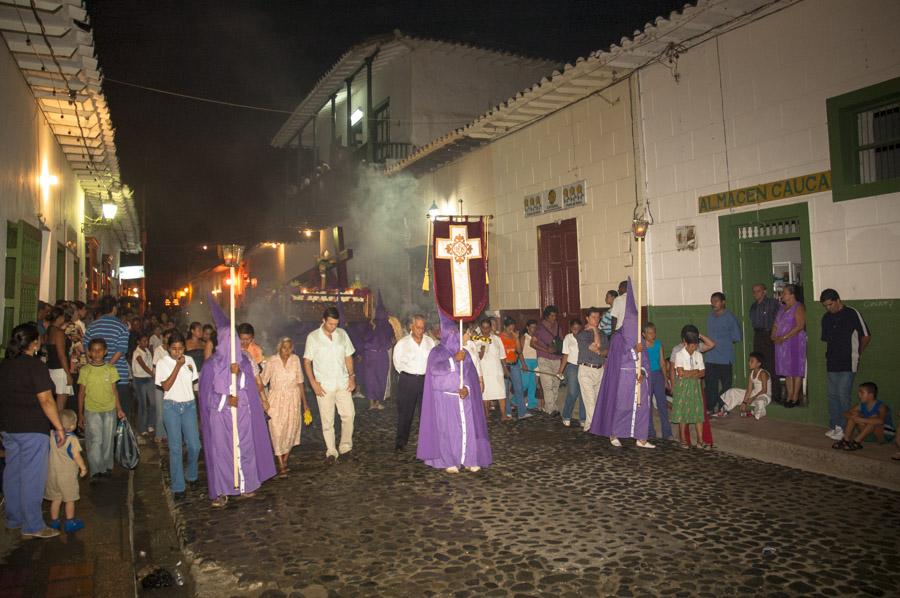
x=109, y=210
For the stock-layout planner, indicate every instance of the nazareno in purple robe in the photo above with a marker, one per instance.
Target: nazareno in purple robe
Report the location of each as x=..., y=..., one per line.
x=452, y=431
x=377, y=340
x=617, y=414
x=355, y=332
x=257, y=463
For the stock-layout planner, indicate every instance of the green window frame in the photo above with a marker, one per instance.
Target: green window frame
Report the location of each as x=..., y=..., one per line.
x=845, y=144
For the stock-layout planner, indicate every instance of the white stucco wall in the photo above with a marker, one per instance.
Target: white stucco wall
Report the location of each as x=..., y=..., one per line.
x=589, y=140
x=28, y=147
x=776, y=75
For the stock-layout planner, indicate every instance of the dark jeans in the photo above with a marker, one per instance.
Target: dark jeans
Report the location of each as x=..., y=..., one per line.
x=126, y=399
x=409, y=396
x=718, y=380
x=658, y=392
x=762, y=343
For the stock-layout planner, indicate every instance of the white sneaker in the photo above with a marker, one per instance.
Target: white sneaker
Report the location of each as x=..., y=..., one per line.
x=453, y=469
x=645, y=444
x=615, y=442
x=836, y=434
x=567, y=422
x=474, y=468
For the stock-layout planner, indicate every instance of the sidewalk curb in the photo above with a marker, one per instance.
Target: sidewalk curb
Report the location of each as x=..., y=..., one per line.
x=824, y=461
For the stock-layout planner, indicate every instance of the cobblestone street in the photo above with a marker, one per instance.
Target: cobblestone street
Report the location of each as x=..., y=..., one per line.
x=560, y=513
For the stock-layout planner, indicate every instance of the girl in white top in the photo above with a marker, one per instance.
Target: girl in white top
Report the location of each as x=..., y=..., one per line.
x=142, y=372
x=754, y=399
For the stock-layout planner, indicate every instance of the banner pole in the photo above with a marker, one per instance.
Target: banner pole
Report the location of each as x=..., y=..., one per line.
x=461, y=348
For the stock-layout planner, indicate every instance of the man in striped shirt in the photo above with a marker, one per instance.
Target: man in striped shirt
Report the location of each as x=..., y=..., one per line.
x=111, y=329
x=846, y=336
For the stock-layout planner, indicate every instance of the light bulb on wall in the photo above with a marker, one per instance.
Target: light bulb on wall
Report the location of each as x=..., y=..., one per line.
x=109, y=210
x=356, y=116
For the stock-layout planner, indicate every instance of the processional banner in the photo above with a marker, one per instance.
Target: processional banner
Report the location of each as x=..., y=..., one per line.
x=460, y=266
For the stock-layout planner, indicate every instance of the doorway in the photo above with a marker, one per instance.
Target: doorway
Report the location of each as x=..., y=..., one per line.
x=769, y=247
x=558, y=268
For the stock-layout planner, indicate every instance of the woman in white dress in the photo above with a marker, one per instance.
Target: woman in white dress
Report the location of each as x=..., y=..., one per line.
x=493, y=369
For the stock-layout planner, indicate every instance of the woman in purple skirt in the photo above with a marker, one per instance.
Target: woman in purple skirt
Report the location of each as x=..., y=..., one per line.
x=789, y=336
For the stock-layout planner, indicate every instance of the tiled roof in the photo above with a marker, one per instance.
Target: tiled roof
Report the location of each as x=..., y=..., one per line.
x=385, y=48
x=587, y=76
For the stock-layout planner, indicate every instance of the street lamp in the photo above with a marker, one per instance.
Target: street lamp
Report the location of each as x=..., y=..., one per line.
x=109, y=210
x=433, y=211
x=231, y=256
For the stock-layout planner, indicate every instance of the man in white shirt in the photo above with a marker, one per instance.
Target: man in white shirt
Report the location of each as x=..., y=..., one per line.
x=328, y=361
x=410, y=359
x=618, y=307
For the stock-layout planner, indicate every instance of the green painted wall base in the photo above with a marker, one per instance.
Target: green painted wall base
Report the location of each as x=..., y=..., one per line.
x=878, y=363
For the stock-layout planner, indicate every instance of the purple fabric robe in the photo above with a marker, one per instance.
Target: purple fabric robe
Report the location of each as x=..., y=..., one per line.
x=257, y=463
x=616, y=413
x=448, y=422
x=355, y=332
x=376, y=342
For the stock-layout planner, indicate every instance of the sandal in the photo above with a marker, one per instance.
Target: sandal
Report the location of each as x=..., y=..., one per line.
x=840, y=444
x=684, y=445
x=852, y=446
x=219, y=502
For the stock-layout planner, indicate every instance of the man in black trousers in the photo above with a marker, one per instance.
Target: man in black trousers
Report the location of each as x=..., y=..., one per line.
x=410, y=359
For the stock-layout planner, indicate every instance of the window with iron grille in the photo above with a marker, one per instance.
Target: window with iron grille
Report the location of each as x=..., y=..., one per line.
x=864, y=140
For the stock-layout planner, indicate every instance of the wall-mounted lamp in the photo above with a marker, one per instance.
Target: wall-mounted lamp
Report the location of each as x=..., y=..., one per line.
x=433, y=211
x=356, y=116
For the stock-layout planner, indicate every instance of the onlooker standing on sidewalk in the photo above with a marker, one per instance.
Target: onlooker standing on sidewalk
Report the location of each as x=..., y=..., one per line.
x=659, y=373
x=789, y=336
x=144, y=387
x=570, y=371
x=65, y=467
x=410, y=359
x=115, y=334
x=846, y=336
x=725, y=330
x=529, y=358
x=98, y=407
x=328, y=361
x=545, y=341
x=762, y=319
x=27, y=411
x=606, y=320
x=593, y=347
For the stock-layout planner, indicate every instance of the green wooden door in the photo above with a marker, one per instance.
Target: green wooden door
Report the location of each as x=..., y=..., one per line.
x=755, y=267
x=23, y=275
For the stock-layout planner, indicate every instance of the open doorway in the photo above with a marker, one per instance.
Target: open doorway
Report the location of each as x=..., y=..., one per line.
x=768, y=247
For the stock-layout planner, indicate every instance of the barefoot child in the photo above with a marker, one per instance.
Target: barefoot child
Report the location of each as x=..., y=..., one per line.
x=756, y=396
x=66, y=464
x=687, y=399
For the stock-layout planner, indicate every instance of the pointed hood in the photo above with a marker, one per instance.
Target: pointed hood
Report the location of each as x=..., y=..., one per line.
x=223, y=328
x=629, y=330
x=449, y=332
x=381, y=314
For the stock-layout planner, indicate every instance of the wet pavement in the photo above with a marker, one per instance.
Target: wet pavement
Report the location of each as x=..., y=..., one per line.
x=560, y=513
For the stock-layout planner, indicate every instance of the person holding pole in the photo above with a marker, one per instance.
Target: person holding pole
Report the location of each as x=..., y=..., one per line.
x=236, y=445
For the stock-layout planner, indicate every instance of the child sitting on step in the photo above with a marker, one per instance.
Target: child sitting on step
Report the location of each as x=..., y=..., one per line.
x=869, y=416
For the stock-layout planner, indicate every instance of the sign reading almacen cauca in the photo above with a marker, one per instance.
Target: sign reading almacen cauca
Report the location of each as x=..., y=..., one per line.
x=792, y=187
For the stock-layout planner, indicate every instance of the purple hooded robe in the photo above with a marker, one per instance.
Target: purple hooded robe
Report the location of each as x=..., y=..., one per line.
x=452, y=431
x=355, y=332
x=257, y=463
x=377, y=340
x=617, y=414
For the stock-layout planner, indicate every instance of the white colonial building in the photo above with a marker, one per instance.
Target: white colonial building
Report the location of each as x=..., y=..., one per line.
x=58, y=164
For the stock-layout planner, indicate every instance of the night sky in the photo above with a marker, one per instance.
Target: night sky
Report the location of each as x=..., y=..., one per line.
x=202, y=168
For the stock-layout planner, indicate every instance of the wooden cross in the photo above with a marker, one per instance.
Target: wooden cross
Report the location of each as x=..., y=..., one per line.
x=459, y=249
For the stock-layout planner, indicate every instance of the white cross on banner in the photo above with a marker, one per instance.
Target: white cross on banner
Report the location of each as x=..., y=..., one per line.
x=458, y=248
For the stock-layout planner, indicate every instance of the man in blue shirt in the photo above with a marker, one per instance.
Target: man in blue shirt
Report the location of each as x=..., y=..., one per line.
x=723, y=328
x=111, y=329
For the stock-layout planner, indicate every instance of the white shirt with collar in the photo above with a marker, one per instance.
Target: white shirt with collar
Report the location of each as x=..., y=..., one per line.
x=328, y=357
x=618, y=309
x=570, y=349
x=412, y=357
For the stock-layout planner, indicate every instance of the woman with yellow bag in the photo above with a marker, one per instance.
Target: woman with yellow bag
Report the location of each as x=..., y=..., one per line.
x=284, y=375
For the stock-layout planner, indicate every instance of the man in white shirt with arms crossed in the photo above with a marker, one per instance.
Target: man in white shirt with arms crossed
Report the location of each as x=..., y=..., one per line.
x=328, y=361
x=410, y=359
